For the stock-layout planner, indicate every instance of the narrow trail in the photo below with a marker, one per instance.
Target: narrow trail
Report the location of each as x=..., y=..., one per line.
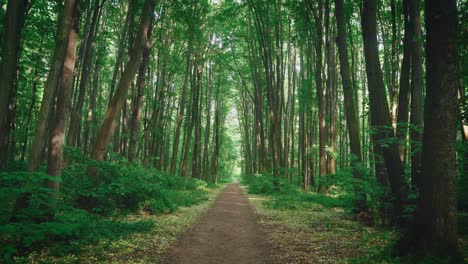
x=228, y=233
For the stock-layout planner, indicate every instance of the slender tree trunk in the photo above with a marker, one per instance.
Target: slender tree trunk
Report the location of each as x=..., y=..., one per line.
x=33, y=101
x=403, y=97
x=380, y=116
x=75, y=121
x=182, y=99
x=138, y=103
x=113, y=111
x=91, y=120
x=59, y=127
x=61, y=45
x=206, y=140
x=416, y=118
x=351, y=110
x=14, y=20
x=318, y=18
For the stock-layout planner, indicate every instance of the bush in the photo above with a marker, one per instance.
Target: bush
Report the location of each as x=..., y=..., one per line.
x=288, y=196
x=79, y=213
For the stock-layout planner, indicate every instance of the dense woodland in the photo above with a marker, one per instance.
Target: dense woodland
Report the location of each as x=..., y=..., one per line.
x=111, y=105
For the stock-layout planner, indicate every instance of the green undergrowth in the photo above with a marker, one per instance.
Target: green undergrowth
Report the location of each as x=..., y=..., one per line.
x=92, y=222
x=316, y=228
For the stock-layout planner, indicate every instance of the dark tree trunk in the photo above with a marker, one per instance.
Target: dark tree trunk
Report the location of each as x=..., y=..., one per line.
x=381, y=121
x=403, y=97
x=435, y=223
x=14, y=20
x=351, y=110
x=416, y=119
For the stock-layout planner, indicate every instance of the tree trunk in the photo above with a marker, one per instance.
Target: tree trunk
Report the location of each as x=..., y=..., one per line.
x=381, y=121
x=435, y=223
x=75, y=121
x=61, y=45
x=138, y=103
x=318, y=18
x=351, y=110
x=416, y=119
x=14, y=20
x=59, y=127
x=113, y=111
x=403, y=97
x=91, y=120
x=180, y=113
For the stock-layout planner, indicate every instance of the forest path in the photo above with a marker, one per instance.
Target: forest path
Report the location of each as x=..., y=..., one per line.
x=227, y=233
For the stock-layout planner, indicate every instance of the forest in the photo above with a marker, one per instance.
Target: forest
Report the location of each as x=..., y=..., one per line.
x=335, y=130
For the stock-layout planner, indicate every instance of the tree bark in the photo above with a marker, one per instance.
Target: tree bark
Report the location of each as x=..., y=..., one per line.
x=351, y=111
x=381, y=121
x=138, y=103
x=75, y=121
x=13, y=23
x=113, y=111
x=318, y=18
x=403, y=97
x=435, y=223
x=61, y=45
x=59, y=127
x=416, y=119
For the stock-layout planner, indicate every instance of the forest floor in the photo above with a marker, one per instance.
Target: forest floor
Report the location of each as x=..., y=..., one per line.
x=313, y=228
x=227, y=233
x=135, y=238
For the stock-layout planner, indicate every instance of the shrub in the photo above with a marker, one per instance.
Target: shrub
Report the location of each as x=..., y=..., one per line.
x=79, y=213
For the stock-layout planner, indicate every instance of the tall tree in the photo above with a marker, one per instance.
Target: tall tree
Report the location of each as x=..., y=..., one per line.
x=318, y=41
x=75, y=121
x=416, y=118
x=351, y=110
x=14, y=20
x=64, y=95
x=435, y=223
x=138, y=102
x=381, y=121
x=403, y=96
x=113, y=111
x=61, y=46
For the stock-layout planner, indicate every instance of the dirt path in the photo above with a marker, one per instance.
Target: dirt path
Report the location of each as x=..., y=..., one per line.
x=228, y=233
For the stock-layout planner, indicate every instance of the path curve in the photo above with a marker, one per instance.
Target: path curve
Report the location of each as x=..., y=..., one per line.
x=227, y=233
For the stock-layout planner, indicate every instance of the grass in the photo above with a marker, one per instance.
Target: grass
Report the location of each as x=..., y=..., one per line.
x=316, y=228
x=311, y=228
x=134, y=238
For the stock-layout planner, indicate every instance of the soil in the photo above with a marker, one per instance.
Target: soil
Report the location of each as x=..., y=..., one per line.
x=227, y=233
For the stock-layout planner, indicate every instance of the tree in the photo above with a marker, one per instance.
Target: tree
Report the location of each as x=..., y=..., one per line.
x=379, y=112
x=113, y=111
x=61, y=45
x=138, y=102
x=351, y=110
x=416, y=119
x=434, y=230
x=64, y=95
x=14, y=20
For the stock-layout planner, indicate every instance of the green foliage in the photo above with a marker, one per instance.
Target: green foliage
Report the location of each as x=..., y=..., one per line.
x=288, y=196
x=83, y=212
